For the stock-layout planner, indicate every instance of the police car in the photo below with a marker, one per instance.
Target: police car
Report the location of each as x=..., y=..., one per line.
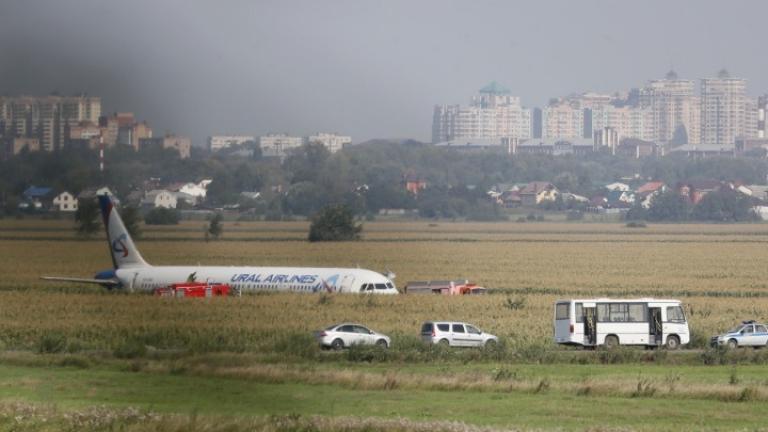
x=748, y=333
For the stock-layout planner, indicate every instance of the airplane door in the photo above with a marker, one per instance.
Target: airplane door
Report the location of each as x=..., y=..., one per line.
x=133, y=282
x=346, y=284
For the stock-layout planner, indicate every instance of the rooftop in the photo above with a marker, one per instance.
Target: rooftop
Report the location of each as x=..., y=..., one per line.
x=495, y=88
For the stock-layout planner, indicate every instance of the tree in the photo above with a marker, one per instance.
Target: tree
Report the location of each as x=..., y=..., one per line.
x=305, y=198
x=162, y=216
x=680, y=136
x=87, y=217
x=669, y=206
x=131, y=219
x=334, y=223
x=215, y=229
x=726, y=205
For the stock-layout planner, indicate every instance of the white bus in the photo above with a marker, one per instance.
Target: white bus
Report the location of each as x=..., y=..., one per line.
x=612, y=322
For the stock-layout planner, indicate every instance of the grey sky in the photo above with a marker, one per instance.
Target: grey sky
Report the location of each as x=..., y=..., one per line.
x=365, y=68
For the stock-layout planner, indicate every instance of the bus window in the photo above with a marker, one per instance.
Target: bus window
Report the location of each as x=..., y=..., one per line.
x=637, y=313
x=562, y=311
x=675, y=314
x=579, y=313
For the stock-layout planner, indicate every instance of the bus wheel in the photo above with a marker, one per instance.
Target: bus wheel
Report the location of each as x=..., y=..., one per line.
x=673, y=342
x=611, y=342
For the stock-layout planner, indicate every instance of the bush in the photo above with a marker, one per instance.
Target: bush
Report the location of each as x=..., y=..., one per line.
x=130, y=349
x=367, y=353
x=334, y=223
x=51, y=343
x=162, y=216
x=301, y=345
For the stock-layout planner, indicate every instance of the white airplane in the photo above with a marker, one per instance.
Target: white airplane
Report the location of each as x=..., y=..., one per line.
x=131, y=272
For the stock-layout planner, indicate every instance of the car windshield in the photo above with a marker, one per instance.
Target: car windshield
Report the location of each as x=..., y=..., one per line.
x=331, y=327
x=736, y=329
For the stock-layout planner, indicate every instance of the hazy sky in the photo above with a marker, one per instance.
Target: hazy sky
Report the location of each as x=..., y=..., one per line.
x=364, y=68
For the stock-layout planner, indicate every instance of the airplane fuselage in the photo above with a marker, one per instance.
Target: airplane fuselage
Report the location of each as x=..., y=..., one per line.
x=251, y=279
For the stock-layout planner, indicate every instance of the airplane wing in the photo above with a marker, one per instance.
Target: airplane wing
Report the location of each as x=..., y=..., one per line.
x=108, y=282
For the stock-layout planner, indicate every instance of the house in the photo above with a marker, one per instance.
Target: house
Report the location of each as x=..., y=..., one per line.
x=414, y=184
x=159, y=198
x=65, y=202
x=648, y=191
x=758, y=191
x=36, y=198
x=651, y=187
x=598, y=201
x=197, y=190
x=620, y=198
x=536, y=192
x=573, y=198
x=187, y=198
x=255, y=196
x=511, y=198
x=495, y=196
x=617, y=186
x=695, y=190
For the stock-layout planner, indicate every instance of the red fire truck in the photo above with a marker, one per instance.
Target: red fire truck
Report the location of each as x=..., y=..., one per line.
x=193, y=289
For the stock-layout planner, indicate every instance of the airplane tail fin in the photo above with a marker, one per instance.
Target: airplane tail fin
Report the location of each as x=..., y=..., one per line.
x=121, y=247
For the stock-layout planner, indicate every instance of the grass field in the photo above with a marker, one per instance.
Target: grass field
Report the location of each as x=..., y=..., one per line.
x=74, y=347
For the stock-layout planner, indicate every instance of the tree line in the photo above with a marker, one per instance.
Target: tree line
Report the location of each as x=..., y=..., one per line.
x=366, y=178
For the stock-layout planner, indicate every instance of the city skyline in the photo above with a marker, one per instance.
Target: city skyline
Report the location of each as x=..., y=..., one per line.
x=366, y=70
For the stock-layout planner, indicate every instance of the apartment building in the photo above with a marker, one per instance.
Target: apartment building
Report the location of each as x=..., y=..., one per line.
x=726, y=111
x=219, y=142
x=46, y=118
x=330, y=141
x=675, y=109
x=279, y=145
x=493, y=114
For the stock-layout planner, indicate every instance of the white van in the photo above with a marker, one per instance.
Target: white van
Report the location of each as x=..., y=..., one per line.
x=451, y=333
x=613, y=322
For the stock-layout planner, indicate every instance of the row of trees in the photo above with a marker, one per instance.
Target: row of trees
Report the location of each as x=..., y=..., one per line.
x=725, y=205
x=365, y=178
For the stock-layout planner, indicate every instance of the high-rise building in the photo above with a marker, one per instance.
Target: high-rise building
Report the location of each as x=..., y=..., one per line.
x=563, y=119
x=626, y=121
x=123, y=129
x=762, y=110
x=492, y=115
x=725, y=110
x=46, y=118
x=675, y=109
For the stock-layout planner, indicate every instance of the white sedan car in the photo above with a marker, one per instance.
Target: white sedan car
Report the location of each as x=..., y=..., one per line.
x=344, y=335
